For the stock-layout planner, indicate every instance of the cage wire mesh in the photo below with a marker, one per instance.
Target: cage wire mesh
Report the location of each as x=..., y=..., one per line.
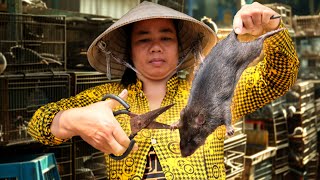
x=33, y=43
x=21, y=96
x=85, y=80
x=63, y=155
x=89, y=163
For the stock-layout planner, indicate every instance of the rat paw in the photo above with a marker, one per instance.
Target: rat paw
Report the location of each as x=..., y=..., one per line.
x=230, y=131
x=175, y=125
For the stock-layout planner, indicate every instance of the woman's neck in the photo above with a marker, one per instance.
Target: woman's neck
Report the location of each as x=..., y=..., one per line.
x=155, y=91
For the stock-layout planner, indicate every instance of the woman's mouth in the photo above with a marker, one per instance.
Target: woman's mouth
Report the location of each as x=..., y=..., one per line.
x=157, y=62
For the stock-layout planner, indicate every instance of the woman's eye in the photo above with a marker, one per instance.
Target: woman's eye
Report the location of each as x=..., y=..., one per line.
x=166, y=38
x=144, y=40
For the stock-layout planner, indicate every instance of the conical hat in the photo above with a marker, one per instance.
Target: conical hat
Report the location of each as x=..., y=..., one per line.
x=115, y=39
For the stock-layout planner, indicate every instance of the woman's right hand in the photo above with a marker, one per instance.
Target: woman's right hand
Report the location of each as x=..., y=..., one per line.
x=95, y=124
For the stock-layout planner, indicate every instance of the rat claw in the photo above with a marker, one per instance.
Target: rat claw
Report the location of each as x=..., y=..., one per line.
x=175, y=125
x=230, y=131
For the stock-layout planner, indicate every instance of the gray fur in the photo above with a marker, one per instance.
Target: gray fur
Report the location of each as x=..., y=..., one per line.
x=212, y=90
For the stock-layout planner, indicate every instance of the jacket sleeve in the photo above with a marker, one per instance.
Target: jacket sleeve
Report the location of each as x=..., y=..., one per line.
x=269, y=79
x=40, y=123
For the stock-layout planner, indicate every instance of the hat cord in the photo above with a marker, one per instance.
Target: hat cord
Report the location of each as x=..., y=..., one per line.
x=103, y=47
x=195, y=47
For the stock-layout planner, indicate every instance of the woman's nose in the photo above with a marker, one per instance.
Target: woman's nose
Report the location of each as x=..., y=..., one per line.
x=156, y=47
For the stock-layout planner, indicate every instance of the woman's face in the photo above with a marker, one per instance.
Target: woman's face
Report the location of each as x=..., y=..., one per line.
x=154, y=48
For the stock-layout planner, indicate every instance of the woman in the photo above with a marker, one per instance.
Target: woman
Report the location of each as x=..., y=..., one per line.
x=154, y=43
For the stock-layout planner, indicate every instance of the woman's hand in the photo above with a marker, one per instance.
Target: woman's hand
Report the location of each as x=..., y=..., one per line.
x=255, y=19
x=95, y=124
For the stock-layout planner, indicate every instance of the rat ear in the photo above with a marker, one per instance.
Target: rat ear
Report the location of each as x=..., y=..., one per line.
x=200, y=119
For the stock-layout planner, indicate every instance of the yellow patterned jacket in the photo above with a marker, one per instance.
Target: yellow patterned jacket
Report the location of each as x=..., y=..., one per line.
x=258, y=85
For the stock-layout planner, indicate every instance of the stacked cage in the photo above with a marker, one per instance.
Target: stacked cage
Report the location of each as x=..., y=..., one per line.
x=89, y=163
x=302, y=129
x=317, y=113
x=63, y=155
x=33, y=43
x=21, y=96
x=33, y=49
x=317, y=105
x=234, y=151
x=259, y=165
x=306, y=25
x=267, y=128
x=174, y=4
x=309, y=57
x=80, y=33
x=82, y=80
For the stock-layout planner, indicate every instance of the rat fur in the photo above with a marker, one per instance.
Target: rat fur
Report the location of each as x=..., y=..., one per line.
x=212, y=90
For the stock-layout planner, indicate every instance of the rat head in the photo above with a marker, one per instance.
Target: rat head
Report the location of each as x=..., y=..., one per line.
x=194, y=128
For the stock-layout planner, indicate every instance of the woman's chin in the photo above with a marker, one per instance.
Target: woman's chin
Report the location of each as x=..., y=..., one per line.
x=157, y=75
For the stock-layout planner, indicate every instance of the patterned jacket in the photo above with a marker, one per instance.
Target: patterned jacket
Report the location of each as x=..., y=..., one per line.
x=258, y=85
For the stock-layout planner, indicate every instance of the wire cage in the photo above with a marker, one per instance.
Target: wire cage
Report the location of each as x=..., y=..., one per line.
x=280, y=162
x=89, y=163
x=174, y=4
x=21, y=95
x=259, y=165
x=84, y=80
x=234, y=152
x=81, y=31
x=307, y=26
x=33, y=43
x=302, y=150
x=300, y=95
x=63, y=155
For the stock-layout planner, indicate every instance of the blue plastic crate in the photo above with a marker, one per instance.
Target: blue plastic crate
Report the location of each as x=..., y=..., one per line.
x=33, y=167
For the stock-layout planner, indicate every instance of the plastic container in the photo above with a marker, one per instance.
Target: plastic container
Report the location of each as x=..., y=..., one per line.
x=25, y=167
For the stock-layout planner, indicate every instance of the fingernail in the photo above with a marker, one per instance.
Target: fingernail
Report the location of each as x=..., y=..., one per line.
x=237, y=30
x=123, y=92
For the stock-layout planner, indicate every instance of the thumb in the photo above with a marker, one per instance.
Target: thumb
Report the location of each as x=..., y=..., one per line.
x=237, y=25
x=113, y=103
x=123, y=94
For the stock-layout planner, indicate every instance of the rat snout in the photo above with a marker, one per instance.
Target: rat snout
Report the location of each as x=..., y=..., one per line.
x=187, y=150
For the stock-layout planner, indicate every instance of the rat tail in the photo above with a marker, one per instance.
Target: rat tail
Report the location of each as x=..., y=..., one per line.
x=271, y=33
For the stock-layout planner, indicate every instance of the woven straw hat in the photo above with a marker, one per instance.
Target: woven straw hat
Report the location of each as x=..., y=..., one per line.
x=109, y=53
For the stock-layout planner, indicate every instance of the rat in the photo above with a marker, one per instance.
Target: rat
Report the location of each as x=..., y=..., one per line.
x=212, y=89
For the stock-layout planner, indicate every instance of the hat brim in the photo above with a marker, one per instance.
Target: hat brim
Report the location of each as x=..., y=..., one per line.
x=116, y=39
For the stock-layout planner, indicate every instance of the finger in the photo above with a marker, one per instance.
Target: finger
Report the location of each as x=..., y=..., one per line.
x=237, y=24
x=114, y=103
x=98, y=142
x=247, y=22
x=124, y=94
x=266, y=17
x=120, y=136
x=268, y=23
x=115, y=147
x=257, y=19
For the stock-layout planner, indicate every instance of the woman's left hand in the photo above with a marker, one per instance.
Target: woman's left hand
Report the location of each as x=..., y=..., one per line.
x=255, y=19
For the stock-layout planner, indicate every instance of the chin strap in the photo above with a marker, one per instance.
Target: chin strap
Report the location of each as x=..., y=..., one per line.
x=108, y=54
x=195, y=48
